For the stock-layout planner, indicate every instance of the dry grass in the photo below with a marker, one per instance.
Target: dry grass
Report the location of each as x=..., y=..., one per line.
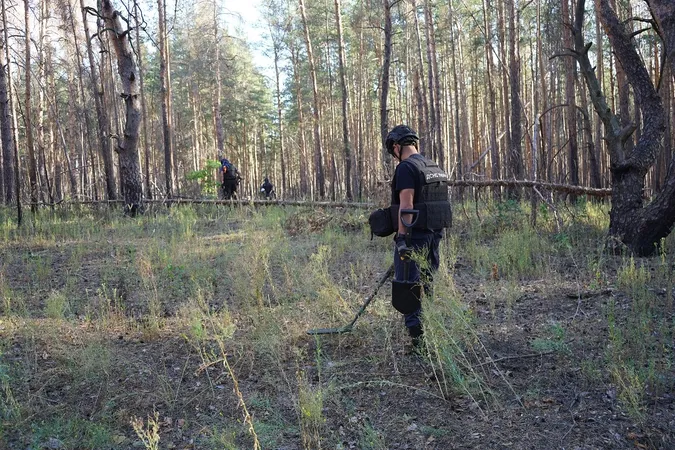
x=195, y=319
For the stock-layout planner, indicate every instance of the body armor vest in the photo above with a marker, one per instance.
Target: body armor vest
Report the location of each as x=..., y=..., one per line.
x=431, y=195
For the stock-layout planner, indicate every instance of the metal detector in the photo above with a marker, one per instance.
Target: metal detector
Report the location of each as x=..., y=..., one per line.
x=405, y=294
x=348, y=328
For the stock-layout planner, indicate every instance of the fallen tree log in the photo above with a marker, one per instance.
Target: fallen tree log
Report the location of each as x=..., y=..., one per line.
x=565, y=188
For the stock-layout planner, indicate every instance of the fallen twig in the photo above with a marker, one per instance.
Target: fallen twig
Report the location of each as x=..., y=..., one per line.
x=505, y=358
x=590, y=294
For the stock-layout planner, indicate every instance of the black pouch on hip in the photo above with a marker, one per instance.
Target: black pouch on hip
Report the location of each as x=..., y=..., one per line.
x=381, y=223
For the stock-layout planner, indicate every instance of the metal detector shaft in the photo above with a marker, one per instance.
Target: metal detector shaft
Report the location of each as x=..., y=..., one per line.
x=348, y=328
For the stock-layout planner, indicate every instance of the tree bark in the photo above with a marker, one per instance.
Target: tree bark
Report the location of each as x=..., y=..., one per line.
x=28, y=113
x=571, y=112
x=437, y=97
x=220, y=132
x=284, y=181
x=127, y=147
x=101, y=114
x=384, y=82
x=506, y=104
x=515, y=152
x=424, y=127
x=304, y=169
x=166, y=99
x=494, y=143
x=639, y=228
x=455, y=83
x=6, y=120
x=146, y=145
x=318, y=157
x=433, y=143
x=346, y=146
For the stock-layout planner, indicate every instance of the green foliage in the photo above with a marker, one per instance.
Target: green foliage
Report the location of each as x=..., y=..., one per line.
x=57, y=305
x=210, y=283
x=639, y=355
x=9, y=407
x=554, y=342
x=205, y=177
x=451, y=339
x=72, y=433
x=310, y=410
x=89, y=363
x=371, y=439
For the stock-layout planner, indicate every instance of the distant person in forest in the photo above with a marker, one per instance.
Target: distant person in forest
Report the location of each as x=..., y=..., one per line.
x=267, y=189
x=230, y=178
x=419, y=184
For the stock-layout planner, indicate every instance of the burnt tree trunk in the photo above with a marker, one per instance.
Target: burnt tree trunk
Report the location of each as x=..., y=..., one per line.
x=127, y=146
x=638, y=227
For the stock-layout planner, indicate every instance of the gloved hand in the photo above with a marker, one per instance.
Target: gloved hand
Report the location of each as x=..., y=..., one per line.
x=403, y=250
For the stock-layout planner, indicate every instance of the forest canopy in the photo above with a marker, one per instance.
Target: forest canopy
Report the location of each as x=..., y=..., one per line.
x=493, y=87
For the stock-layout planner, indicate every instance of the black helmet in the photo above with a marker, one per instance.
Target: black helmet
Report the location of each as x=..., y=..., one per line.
x=400, y=134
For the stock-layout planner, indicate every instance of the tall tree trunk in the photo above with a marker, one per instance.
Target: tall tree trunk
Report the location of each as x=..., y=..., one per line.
x=433, y=144
x=360, y=107
x=55, y=122
x=318, y=157
x=424, y=128
x=166, y=99
x=543, y=96
x=494, y=143
x=571, y=109
x=127, y=148
x=440, y=150
x=506, y=104
x=305, y=186
x=346, y=146
x=384, y=83
x=276, y=47
x=455, y=84
x=6, y=119
x=28, y=114
x=515, y=154
x=220, y=132
x=101, y=114
x=82, y=116
x=599, y=58
x=146, y=145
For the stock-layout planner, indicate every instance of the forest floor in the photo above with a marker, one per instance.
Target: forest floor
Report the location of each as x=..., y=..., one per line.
x=189, y=326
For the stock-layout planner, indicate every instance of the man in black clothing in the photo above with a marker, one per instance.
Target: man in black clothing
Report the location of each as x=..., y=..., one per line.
x=230, y=179
x=421, y=185
x=267, y=188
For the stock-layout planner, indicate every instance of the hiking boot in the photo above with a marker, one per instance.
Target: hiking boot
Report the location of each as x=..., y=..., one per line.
x=417, y=339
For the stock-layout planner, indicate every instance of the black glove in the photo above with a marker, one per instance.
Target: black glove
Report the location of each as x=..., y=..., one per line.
x=403, y=249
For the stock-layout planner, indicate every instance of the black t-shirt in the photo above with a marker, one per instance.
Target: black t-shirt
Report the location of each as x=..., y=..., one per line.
x=405, y=177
